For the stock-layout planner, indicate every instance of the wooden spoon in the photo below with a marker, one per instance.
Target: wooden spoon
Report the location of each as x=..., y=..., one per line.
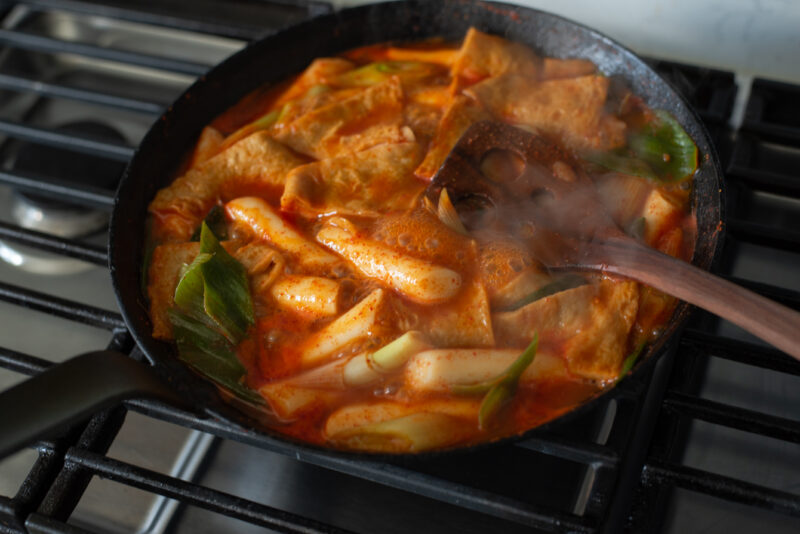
x=534, y=186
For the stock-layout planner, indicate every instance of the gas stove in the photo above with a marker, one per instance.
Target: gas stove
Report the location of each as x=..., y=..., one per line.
x=706, y=443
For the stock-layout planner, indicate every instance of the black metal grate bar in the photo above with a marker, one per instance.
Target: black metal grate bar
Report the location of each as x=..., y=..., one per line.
x=42, y=473
x=388, y=474
x=46, y=242
x=765, y=235
x=45, y=469
x=576, y=451
x=67, y=488
x=740, y=351
x=85, y=195
x=764, y=166
x=773, y=131
x=733, y=417
x=60, y=307
x=71, y=141
x=711, y=92
x=187, y=492
x=39, y=524
x=53, y=90
x=140, y=15
x=658, y=472
x=767, y=181
x=143, y=17
x=772, y=110
x=10, y=517
x=51, y=45
x=20, y=362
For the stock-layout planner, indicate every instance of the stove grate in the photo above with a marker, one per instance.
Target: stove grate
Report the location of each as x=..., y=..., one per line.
x=632, y=471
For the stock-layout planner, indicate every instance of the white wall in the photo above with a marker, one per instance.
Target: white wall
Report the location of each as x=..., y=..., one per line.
x=751, y=37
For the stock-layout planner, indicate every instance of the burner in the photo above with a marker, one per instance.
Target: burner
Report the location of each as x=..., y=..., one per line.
x=53, y=216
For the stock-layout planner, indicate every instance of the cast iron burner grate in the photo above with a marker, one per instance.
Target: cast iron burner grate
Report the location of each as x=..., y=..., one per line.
x=614, y=470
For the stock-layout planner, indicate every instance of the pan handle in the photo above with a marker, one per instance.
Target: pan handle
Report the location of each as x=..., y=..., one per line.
x=70, y=392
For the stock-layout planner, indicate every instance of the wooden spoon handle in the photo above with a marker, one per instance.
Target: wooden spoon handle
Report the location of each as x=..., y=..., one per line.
x=768, y=320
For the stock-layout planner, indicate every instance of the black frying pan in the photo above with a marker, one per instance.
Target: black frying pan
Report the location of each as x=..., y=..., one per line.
x=74, y=390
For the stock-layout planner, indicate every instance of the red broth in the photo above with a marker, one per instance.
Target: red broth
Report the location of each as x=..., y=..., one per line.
x=380, y=321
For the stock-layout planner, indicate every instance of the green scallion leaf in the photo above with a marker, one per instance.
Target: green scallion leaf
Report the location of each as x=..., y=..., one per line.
x=216, y=221
x=621, y=163
x=504, y=391
x=189, y=293
x=493, y=402
x=666, y=147
x=660, y=151
x=499, y=390
x=213, y=311
x=226, y=290
x=261, y=123
x=479, y=388
x=380, y=71
x=630, y=360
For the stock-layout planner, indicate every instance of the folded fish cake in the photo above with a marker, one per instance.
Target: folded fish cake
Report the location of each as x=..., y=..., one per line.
x=261, y=262
x=365, y=183
x=572, y=109
x=465, y=322
x=368, y=118
x=590, y=324
x=483, y=55
x=166, y=264
x=255, y=162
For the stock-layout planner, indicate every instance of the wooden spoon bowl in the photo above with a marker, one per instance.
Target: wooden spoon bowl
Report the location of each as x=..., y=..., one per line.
x=572, y=229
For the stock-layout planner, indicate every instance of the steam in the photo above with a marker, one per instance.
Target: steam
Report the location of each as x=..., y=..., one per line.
x=552, y=211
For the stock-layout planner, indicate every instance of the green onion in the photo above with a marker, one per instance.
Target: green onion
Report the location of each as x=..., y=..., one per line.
x=394, y=355
x=375, y=73
x=621, y=163
x=569, y=281
x=494, y=401
x=210, y=354
x=661, y=151
x=370, y=367
x=215, y=219
x=261, y=123
x=190, y=292
x=627, y=365
x=666, y=147
x=501, y=389
x=227, y=292
x=316, y=90
x=213, y=311
x=411, y=433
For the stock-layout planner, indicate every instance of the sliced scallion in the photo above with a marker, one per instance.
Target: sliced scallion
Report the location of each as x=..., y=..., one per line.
x=501, y=389
x=380, y=71
x=661, y=151
x=216, y=222
x=213, y=311
x=630, y=360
